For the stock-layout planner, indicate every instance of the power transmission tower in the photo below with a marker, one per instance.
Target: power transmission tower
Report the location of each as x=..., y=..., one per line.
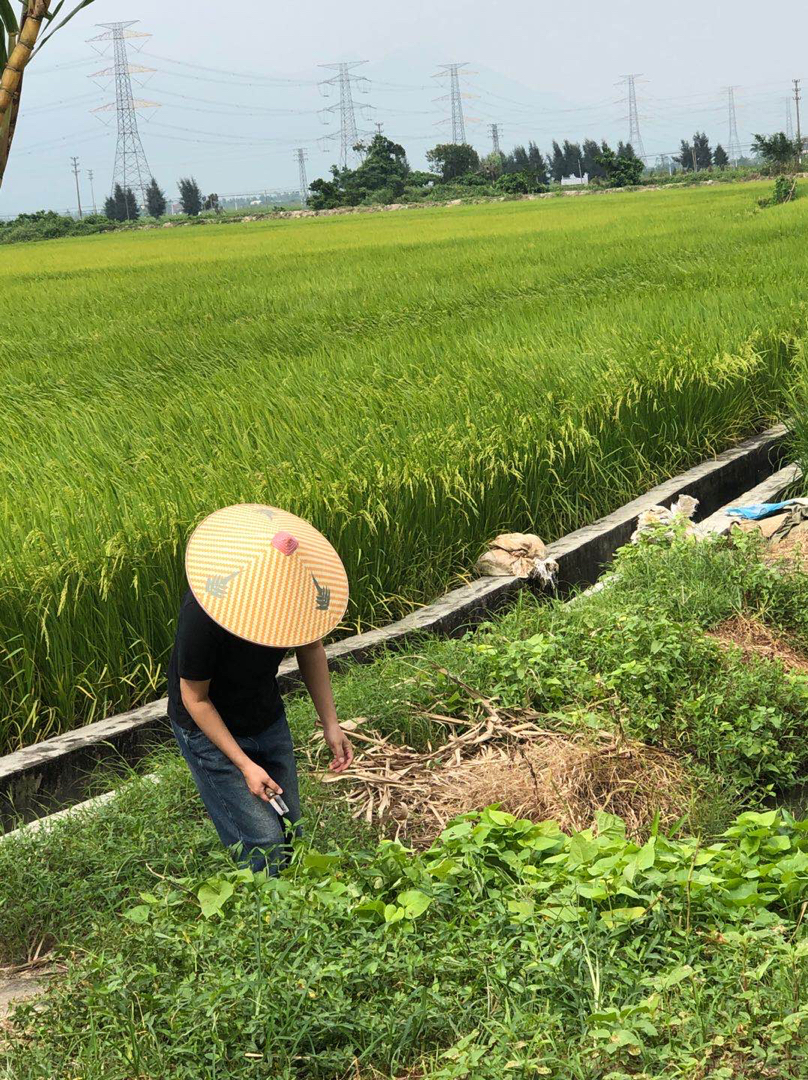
x=494, y=130
x=797, y=100
x=92, y=189
x=74, y=162
x=301, y=167
x=131, y=168
x=634, y=136
x=345, y=80
x=452, y=72
x=733, y=142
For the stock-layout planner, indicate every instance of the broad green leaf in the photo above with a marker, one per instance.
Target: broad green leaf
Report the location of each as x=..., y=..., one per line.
x=673, y=977
x=414, y=902
x=213, y=895
x=620, y=916
x=583, y=850
x=315, y=860
x=370, y=909
x=139, y=914
x=610, y=825
x=393, y=913
x=646, y=855
x=522, y=910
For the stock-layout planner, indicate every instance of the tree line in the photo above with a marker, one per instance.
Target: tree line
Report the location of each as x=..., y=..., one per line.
x=384, y=174
x=122, y=205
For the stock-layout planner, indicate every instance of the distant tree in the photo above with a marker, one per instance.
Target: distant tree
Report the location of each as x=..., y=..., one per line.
x=121, y=205
x=327, y=194
x=625, y=151
x=573, y=160
x=720, y=159
x=590, y=152
x=381, y=176
x=155, y=199
x=190, y=196
x=557, y=162
x=384, y=167
x=212, y=203
x=520, y=159
x=704, y=155
x=685, y=158
x=536, y=163
x=453, y=159
x=491, y=165
x=777, y=151
x=519, y=183
x=620, y=171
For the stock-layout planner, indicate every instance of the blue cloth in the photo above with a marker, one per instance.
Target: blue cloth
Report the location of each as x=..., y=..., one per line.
x=758, y=511
x=257, y=834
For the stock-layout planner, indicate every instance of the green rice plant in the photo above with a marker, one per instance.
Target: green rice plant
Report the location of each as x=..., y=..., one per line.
x=413, y=383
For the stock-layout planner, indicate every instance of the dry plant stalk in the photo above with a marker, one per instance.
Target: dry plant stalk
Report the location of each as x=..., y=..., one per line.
x=507, y=757
x=754, y=638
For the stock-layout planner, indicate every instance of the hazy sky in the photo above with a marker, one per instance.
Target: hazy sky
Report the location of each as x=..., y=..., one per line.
x=238, y=92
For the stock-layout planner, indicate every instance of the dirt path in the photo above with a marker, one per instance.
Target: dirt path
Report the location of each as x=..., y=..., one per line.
x=21, y=985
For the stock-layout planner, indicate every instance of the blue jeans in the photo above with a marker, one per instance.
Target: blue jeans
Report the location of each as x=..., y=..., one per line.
x=243, y=821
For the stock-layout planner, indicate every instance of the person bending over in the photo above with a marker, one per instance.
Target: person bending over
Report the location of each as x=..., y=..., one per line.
x=261, y=581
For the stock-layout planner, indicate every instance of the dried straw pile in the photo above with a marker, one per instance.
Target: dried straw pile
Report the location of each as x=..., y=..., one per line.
x=506, y=757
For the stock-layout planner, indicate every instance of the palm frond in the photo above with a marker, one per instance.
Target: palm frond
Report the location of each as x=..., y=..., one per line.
x=8, y=20
x=62, y=22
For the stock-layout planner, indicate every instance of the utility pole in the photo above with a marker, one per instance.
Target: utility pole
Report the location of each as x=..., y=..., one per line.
x=494, y=130
x=634, y=136
x=345, y=81
x=733, y=143
x=92, y=189
x=301, y=168
x=452, y=72
x=131, y=168
x=799, y=130
x=74, y=161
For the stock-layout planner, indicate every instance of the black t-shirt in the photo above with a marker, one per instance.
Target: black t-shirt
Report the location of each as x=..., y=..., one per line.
x=243, y=684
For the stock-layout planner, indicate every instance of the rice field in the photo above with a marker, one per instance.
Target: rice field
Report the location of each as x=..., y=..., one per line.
x=412, y=382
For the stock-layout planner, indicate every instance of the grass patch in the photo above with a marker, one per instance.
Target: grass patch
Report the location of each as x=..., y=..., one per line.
x=413, y=383
x=508, y=947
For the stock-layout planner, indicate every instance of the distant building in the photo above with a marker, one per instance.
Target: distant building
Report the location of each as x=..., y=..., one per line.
x=570, y=181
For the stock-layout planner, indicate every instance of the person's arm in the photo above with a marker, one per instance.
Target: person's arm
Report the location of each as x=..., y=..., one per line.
x=205, y=715
x=313, y=666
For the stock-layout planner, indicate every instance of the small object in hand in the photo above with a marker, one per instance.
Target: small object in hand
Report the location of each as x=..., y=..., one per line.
x=277, y=803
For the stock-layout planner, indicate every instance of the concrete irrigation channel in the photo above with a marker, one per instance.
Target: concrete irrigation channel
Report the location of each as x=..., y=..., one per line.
x=51, y=776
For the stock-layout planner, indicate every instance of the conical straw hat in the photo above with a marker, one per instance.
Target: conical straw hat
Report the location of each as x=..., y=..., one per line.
x=266, y=575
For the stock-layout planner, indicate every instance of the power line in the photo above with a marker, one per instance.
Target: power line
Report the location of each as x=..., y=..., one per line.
x=74, y=161
x=734, y=143
x=131, y=169
x=345, y=81
x=300, y=154
x=634, y=136
x=452, y=72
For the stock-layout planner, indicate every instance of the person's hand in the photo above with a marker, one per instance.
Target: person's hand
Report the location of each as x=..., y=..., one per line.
x=260, y=782
x=340, y=746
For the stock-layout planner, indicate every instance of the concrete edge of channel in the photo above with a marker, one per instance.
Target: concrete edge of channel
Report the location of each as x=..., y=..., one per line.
x=56, y=773
x=718, y=523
